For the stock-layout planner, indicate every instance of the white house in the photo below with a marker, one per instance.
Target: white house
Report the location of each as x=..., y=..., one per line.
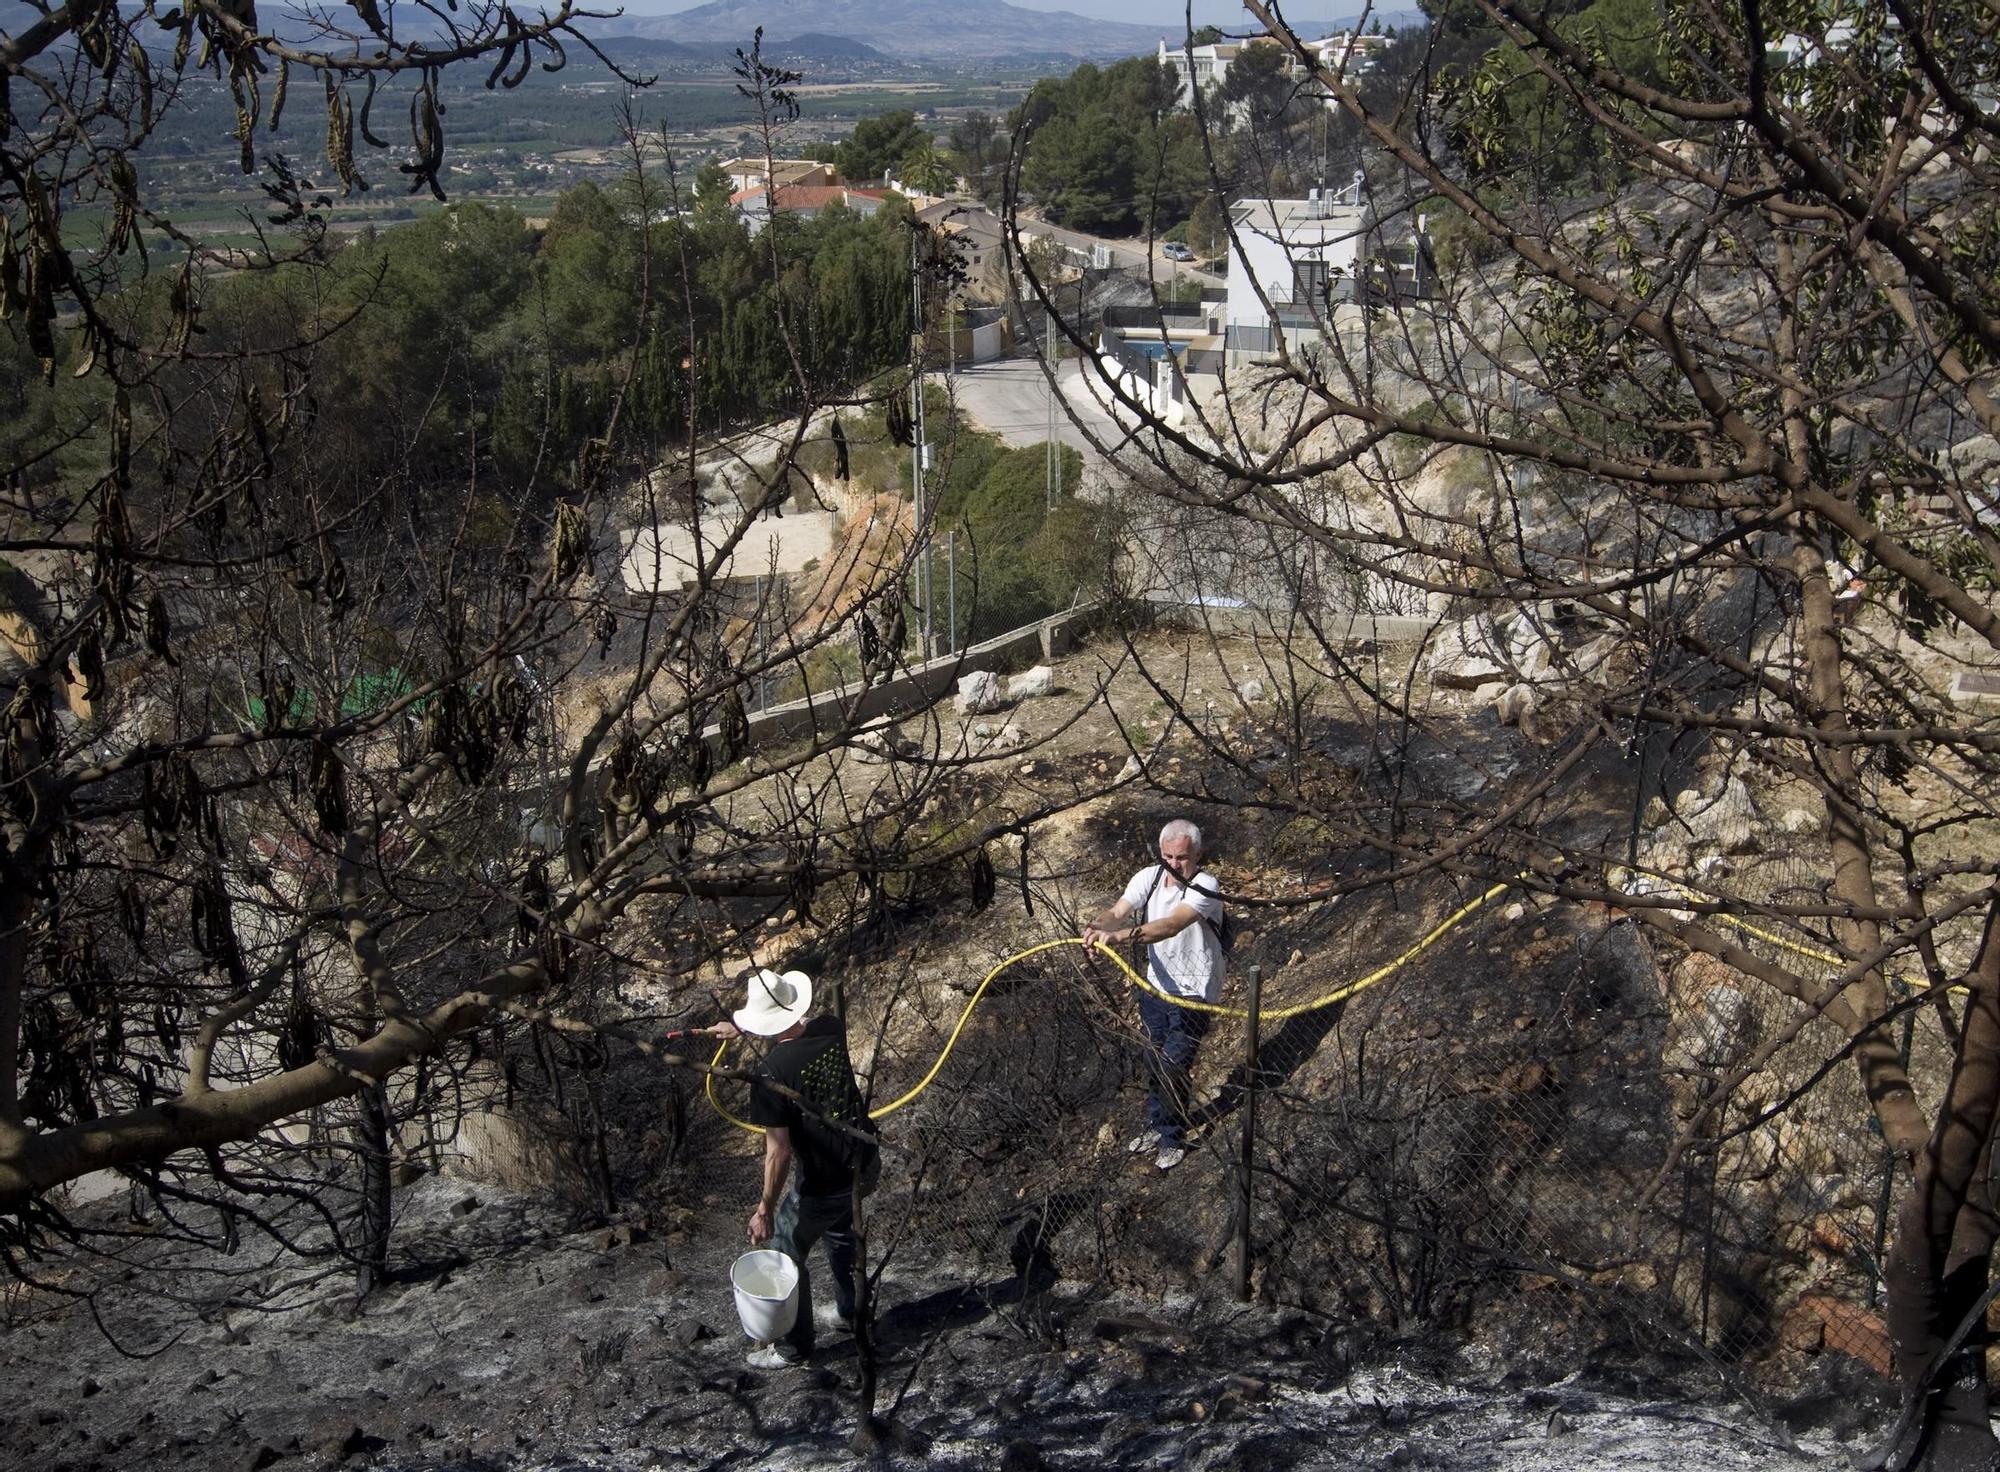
x=1349, y=53
x=756, y=173
x=1198, y=66
x=1305, y=255
x=803, y=200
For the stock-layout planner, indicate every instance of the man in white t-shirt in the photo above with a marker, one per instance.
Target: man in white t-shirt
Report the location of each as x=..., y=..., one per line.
x=1180, y=917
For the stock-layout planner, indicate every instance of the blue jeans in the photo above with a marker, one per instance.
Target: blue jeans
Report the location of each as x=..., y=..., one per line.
x=1174, y=1033
x=802, y=1221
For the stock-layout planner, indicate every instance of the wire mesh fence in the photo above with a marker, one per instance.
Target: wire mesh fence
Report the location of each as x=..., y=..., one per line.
x=1436, y=1153
x=1545, y=1131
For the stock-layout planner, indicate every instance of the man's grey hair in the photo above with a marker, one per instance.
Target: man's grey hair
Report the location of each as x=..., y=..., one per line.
x=1181, y=828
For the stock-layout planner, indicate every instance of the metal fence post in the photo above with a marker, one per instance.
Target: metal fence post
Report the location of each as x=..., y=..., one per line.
x=1249, y=1135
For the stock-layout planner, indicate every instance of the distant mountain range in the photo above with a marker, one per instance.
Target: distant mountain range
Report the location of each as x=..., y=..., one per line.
x=929, y=29
x=847, y=30
x=807, y=46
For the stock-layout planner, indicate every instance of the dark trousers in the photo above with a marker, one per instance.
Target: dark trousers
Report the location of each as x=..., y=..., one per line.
x=1174, y=1034
x=804, y=1220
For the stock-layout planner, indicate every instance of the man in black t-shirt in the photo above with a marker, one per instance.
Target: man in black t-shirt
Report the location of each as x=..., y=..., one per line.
x=805, y=1099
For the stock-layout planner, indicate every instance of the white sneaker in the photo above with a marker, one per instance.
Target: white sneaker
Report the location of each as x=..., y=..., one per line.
x=1145, y=1140
x=1170, y=1156
x=771, y=1357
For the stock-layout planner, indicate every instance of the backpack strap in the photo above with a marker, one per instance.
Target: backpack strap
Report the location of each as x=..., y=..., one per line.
x=1142, y=946
x=1214, y=926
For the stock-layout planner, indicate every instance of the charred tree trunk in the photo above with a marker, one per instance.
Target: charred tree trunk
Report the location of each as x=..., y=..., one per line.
x=1940, y=1266
x=371, y=1258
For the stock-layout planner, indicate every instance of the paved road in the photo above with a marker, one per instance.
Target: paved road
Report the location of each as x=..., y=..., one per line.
x=1010, y=397
x=1131, y=256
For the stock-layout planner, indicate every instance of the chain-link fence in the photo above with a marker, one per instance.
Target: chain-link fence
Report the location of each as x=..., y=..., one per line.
x=1517, y=1138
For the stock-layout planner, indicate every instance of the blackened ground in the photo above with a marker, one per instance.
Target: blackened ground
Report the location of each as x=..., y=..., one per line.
x=514, y=1343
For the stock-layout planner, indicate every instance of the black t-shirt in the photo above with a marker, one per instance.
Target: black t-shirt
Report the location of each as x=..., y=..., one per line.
x=816, y=1065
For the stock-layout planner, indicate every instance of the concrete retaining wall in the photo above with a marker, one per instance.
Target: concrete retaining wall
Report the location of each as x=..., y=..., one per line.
x=924, y=685
x=920, y=686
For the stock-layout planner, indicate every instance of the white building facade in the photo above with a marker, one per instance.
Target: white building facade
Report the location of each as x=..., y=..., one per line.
x=1304, y=256
x=1349, y=53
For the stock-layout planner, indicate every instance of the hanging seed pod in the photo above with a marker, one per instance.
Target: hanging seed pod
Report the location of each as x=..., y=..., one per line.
x=30, y=732
x=12, y=298
x=693, y=761
x=557, y=953
x=984, y=882
x=86, y=352
x=606, y=630
x=280, y=691
x=132, y=914
x=340, y=137
x=507, y=52
x=156, y=630
x=167, y=1027
x=40, y=309
x=805, y=884
x=733, y=727
x=328, y=779
x=510, y=698
x=124, y=205
x=181, y=308
x=76, y=970
x=840, y=455
x=89, y=661
x=569, y=548
x=170, y=800
x=1027, y=899
x=473, y=749
x=870, y=642
x=530, y=915
x=121, y=439
x=209, y=923
x=427, y=139
x=111, y=1036
x=298, y=1044
x=367, y=109
x=333, y=578
x=142, y=70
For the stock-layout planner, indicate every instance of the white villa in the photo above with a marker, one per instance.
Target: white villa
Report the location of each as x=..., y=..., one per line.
x=1349, y=53
x=1304, y=255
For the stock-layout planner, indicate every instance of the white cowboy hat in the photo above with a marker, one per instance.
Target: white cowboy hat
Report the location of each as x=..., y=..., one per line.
x=775, y=1002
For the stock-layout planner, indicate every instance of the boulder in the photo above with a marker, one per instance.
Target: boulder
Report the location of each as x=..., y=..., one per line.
x=979, y=692
x=1040, y=680
x=1465, y=657
x=1594, y=660
x=1528, y=651
x=1731, y=821
x=1719, y=1030
x=1250, y=691
x=1515, y=705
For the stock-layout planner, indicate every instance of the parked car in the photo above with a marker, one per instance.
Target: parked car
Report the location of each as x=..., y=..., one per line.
x=1173, y=250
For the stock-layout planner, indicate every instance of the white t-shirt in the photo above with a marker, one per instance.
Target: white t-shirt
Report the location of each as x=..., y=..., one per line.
x=1191, y=959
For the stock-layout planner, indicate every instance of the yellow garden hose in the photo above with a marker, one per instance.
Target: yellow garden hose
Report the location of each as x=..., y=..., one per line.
x=1273, y=1014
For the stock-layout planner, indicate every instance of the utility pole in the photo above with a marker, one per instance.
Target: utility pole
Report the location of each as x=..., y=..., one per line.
x=919, y=448
x=1051, y=455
